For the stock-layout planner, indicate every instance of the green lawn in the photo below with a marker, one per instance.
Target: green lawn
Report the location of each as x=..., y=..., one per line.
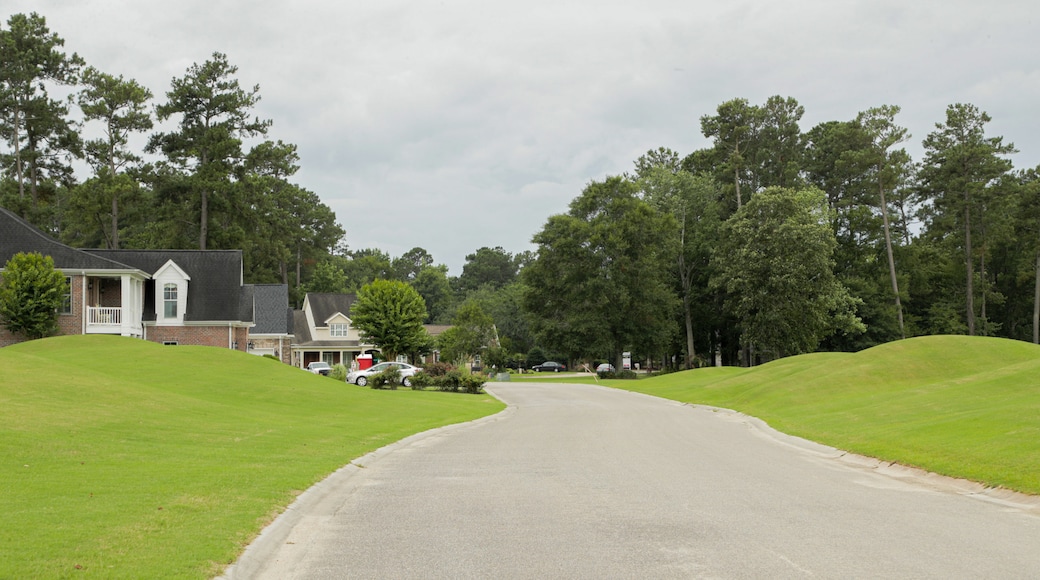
x=120, y=458
x=960, y=406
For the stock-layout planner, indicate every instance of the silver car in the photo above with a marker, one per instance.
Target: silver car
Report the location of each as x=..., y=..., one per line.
x=404, y=370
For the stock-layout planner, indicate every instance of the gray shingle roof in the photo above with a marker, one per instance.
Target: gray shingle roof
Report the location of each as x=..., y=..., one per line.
x=17, y=235
x=272, y=312
x=215, y=291
x=323, y=306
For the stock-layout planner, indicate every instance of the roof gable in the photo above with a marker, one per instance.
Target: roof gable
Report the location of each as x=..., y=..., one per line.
x=324, y=306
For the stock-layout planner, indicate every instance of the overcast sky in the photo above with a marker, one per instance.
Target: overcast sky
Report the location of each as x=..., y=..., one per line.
x=473, y=121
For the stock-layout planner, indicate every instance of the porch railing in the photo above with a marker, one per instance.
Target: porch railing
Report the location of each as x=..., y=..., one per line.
x=104, y=316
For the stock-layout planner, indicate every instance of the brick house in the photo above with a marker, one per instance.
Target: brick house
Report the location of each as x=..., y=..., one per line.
x=192, y=297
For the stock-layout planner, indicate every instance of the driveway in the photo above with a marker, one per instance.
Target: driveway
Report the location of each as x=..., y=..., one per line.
x=579, y=481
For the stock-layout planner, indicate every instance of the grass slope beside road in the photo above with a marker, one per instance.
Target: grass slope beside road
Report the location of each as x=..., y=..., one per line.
x=120, y=458
x=960, y=406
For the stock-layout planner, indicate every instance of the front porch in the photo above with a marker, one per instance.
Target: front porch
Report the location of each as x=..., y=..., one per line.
x=113, y=305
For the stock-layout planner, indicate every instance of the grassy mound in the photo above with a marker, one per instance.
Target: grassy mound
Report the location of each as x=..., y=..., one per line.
x=124, y=458
x=960, y=406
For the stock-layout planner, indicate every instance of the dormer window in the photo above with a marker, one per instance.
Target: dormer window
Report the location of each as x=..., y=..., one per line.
x=170, y=301
x=339, y=329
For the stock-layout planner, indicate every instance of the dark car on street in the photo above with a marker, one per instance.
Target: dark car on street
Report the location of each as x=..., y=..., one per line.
x=549, y=367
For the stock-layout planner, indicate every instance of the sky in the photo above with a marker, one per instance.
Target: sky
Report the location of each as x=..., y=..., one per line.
x=458, y=124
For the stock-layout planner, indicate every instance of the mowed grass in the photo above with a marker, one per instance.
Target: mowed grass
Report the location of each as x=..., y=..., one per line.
x=120, y=458
x=961, y=406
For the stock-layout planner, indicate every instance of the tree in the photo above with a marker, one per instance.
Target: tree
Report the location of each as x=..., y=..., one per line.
x=597, y=286
x=31, y=292
x=30, y=58
x=733, y=129
x=367, y=265
x=432, y=284
x=214, y=118
x=959, y=167
x=328, y=278
x=472, y=332
x=691, y=201
x=408, y=266
x=390, y=315
x=889, y=170
x=120, y=106
x=493, y=266
x=786, y=301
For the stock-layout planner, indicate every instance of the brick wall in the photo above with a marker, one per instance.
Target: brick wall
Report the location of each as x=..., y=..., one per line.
x=281, y=347
x=198, y=335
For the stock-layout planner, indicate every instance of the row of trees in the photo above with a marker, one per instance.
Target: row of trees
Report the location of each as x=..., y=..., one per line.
x=775, y=241
x=214, y=180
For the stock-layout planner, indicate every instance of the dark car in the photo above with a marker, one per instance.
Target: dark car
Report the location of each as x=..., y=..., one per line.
x=549, y=367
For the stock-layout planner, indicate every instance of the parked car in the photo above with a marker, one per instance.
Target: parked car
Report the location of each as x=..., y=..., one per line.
x=404, y=370
x=605, y=368
x=319, y=368
x=549, y=367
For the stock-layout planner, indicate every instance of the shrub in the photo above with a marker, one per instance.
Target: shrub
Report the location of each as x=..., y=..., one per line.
x=338, y=372
x=473, y=384
x=421, y=380
x=437, y=369
x=388, y=379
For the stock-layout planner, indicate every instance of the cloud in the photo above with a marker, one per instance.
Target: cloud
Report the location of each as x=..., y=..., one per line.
x=471, y=122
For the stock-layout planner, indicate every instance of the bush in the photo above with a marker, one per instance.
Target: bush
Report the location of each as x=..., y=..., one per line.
x=421, y=380
x=338, y=372
x=455, y=381
x=437, y=369
x=388, y=379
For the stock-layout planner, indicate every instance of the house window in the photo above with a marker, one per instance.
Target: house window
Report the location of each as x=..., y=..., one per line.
x=338, y=329
x=169, y=343
x=66, y=297
x=170, y=301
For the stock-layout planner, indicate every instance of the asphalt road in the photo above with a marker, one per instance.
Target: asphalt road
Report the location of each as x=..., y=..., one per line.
x=578, y=481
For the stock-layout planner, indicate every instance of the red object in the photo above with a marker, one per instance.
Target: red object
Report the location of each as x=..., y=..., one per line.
x=364, y=362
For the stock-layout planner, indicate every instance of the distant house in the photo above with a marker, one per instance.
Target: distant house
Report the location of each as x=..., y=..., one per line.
x=323, y=331
x=191, y=297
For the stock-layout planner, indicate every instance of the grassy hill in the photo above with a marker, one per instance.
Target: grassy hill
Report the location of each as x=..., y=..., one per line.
x=123, y=458
x=960, y=406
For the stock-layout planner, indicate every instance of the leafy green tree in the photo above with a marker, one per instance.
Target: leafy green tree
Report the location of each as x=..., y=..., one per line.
x=505, y=306
x=31, y=292
x=367, y=265
x=411, y=263
x=733, y=129
x=471, y=333
x=120, y=107
x=493, y=266
x=786, y=301
x=328, y=278
x=37, y=127
x=432, y=284
x=390, y=314
x=214, y=116
x=957, y=173
x=598, y=285
x=691, y=200
x=889, y=168
x=780, y=145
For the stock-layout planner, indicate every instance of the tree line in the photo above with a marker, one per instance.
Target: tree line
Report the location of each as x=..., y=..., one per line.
x=771, y=241
x=774, y=241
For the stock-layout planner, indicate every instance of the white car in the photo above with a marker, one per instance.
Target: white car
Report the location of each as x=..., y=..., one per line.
x=319, y=368
x=404, y=370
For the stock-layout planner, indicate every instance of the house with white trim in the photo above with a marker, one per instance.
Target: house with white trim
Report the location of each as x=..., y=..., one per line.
x=193, y=297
